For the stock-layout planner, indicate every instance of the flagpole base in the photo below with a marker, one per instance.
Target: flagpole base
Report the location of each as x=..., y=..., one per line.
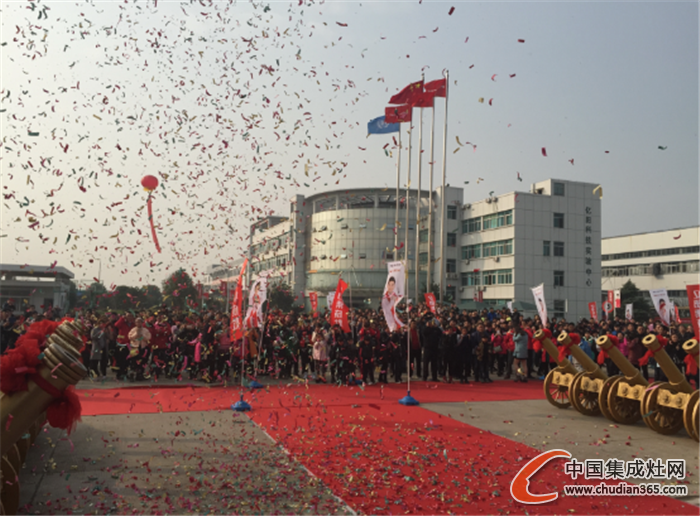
x=241, y=405
x=254, y=384
x=409, y=400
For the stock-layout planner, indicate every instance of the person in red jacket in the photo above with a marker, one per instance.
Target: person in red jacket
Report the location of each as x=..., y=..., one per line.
x=123, y=325
x=160, y=340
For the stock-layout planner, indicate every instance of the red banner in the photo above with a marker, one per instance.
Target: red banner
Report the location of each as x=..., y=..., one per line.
x=593, y=309
x=313, y=297
x=694, y=305
x=430, y=300
x=222, y=287
x=407, y=94
x=398, y=114
x=437, y=88
x=339, y=313
x=236, y=309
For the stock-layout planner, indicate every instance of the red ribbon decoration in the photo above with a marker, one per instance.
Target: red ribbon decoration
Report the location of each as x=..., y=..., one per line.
x=691, y=366
x=150, y=219
x=563, y=350
x=604, y=354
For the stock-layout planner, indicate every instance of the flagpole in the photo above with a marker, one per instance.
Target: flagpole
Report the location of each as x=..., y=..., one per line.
x=408, y=399
x=241, y=405
x=442, y=207
x=430, y=203
x=398, y=194
x=420, y=168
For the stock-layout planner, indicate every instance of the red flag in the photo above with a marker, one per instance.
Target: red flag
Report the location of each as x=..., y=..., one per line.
x=437, y=88
x=423, y=100
x=313, y=297
x=222, y=287
x=398, y=114
x=406, y=95
x=236, y=315
x=339, y=313
x=199, y=290
x=694, y=304
x=430, y=300
x=593, y=309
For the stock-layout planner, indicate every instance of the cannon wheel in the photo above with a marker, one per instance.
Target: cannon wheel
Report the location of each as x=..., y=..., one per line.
x=557, y=395
x=603, y=397
x=663, y=420
x=585, y=402
x=624, y=410
x=690, y=415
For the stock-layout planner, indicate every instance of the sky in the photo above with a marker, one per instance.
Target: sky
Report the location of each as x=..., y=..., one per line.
x=235, y=107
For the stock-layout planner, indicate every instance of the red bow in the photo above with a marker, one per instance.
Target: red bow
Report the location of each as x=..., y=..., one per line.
x=564, y=349
x=691, y=366
x=604, y=354
x=645, y=359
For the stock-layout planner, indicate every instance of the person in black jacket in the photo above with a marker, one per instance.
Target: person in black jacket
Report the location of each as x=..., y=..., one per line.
x=449, y=353
x=366, y=359
x=431, y=349
x=383, y=355
x=482, y=350
x=464, y=355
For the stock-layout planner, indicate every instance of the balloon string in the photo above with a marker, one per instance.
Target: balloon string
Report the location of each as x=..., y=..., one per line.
x=153, y=228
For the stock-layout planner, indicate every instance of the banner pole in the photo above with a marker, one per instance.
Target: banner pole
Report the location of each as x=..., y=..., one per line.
x=442, y=207
x=398, y=194
x=428, y=281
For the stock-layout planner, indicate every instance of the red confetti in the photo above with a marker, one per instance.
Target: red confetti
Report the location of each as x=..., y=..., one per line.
x=544, y=152
x=452, y=9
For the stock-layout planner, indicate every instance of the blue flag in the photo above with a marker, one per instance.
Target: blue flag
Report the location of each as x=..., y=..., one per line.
x=379, y=126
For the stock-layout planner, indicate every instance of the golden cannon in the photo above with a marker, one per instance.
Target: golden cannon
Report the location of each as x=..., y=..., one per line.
x=691, y=415
x=621, y=395
x=664, y=404
x=558, y=380
x=23, y=413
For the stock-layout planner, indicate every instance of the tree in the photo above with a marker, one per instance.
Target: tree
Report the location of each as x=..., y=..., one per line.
x=629, y=293
x=72, y=295
x=151, y=296
x=280, y=296
x=178, y=289
x=95, y=295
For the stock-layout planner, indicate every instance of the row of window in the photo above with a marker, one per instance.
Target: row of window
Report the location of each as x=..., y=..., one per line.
x=496, y=277
x=270, y=245
x=656, y=269
x=547, y=248
x=487, y=249
x=652, y=252
x=492, y=221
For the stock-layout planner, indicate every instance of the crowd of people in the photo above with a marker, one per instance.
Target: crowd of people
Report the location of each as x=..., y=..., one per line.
x=451, y=346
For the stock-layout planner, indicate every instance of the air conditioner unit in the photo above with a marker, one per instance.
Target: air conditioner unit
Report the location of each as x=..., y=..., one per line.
x=488, y=200
x=461, y=289
x=495, y=199
x=497, y=259
x=467, y=206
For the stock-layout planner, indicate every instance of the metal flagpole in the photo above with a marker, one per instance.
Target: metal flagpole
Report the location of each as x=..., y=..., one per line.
x=241, y=405
x=430, y=203
x=254, y=384
x=398, y=194
x=442, y=207
x=408, y=399
x=420, y=168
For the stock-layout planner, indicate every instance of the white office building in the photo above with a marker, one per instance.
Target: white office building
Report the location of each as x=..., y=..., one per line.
x=662, y=259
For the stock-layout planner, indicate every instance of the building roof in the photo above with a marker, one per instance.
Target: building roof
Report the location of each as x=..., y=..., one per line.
x=36, y=271
x=697, y=228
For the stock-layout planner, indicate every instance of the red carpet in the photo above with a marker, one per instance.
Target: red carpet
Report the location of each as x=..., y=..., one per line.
x=381, y=457
x=183, y=398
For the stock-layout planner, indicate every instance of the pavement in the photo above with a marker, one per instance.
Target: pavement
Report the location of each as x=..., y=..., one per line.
x=222, y=463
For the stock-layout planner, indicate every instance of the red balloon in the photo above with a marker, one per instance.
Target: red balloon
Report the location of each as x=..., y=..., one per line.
x=150, y=183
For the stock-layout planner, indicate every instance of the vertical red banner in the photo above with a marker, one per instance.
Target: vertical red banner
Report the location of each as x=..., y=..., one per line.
x=339, y=313
x=694, y=305
x=593, y=309
x=236, y=315
x=313, y=297
x=430, y=300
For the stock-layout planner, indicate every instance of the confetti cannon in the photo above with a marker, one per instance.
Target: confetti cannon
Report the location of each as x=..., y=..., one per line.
x=23, y=412
x=620, y=396
x=691, y=414
x=585, y=386
x=558, y=380
x=664, y=403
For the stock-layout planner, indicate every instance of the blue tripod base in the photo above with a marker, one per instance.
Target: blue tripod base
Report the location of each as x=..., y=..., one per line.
x=241, y=406
x=409, y=400
x=255, y=385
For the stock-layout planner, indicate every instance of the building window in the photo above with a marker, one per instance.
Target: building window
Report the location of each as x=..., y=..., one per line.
x=558, y=188
x=424, y=234
x=389, y=256
x=471, y=225
x=451, y=239
x=363, y=256
x=423, y=258
x=545, y=248
x=452, y=212
x=451, y=293
x=498, y=248
x=471, y=251
x=558, y=278
x=559, y=220
x=505, y=277
x=558, y=248
x=471, y=279
x=559, y=308
x=497, y=220
x=450, y=265
x=490, y=277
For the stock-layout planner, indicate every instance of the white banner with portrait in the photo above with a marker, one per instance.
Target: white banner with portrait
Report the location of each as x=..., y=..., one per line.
x=538, y=293
x=629, y=311
x=662, y=304
x=256, y=298
x=393, y=293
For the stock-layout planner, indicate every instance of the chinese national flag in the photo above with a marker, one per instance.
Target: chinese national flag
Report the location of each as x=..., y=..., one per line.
x=398, y=114
x=406, y=95
x=423, y=100
x=437, y=88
